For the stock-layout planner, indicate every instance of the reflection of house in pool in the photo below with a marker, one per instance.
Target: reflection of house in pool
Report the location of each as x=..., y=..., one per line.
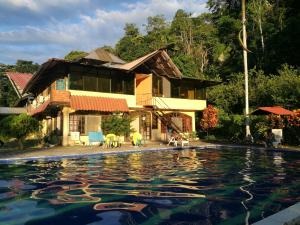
x=74, y=96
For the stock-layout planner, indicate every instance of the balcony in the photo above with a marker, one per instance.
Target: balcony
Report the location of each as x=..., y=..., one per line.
x=179, y=103
x=60, y=97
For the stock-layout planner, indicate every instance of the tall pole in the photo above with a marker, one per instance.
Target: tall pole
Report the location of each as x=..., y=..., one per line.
x=248, y=133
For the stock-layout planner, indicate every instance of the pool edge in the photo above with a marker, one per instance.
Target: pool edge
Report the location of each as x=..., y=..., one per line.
x=210, y=146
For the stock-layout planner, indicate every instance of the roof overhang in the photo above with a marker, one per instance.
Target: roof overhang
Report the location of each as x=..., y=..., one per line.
x=202, y=82
x=98, y=104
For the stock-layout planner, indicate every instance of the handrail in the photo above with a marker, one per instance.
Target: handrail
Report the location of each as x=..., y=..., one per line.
x=158, y=103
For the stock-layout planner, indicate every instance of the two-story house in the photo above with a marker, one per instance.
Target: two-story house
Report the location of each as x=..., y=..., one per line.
x=76, y=95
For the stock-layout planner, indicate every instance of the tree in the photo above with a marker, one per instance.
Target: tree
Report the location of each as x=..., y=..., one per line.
x=74, y=55
x=24, y=66
x=19, y=127
x=131, y=46
x=209, y=119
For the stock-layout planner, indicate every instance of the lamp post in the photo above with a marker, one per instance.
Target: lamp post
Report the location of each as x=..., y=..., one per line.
x=248, y=133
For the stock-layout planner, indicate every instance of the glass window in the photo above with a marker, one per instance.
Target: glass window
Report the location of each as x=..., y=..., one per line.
x=201, y=93
x=77, y=123
x=154, y=121
x=90, y=83
x=103, y=84
x=60, y=84
x=117, y=86
x=157, y=85
x=76, y=81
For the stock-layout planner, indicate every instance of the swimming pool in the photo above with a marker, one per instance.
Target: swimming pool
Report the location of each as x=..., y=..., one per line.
x=204, y=186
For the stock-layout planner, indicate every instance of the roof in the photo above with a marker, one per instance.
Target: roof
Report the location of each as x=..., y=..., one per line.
x=100, y=104
x=19, y=80
x=158, y=62
x=272, y=110
x=104, y=56
x=12, y=110
x=40, y=108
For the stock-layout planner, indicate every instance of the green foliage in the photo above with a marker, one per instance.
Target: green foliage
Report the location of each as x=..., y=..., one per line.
x=282, y=89
x=19, y=127
x=116, y=124
x=132, y=45
x=75, y=55
x=24, y=66
x=230, y=127
x=185, y=65
x=8, y=95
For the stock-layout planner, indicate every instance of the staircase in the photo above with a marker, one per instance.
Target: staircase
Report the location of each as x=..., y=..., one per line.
x=158, y=106
x=166, y=119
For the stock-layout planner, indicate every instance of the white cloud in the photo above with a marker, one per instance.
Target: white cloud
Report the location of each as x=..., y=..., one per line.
x=102, y=27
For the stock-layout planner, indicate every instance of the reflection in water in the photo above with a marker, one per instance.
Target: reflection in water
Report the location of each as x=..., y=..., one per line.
x=170, y=187
x=246, y=172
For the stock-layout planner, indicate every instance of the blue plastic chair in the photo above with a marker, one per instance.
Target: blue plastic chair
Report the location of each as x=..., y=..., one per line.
x=95, y=136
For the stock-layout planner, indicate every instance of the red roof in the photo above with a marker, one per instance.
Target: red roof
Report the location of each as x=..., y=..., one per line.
x=40, y=109
x=272, y=110
x=20, y=80
x=100, y=104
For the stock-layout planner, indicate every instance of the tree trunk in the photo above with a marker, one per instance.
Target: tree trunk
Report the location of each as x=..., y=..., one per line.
x=20, y=143
x=261, y=35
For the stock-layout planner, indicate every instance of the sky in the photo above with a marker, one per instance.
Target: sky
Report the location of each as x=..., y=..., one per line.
x=37, y=30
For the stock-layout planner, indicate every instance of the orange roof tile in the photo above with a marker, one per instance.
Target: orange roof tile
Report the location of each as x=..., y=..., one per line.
x=100, y=104
x=272, y=110
x=40, y=109
x=19, y=79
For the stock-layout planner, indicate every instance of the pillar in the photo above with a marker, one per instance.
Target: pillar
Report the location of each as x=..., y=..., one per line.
x=65, y=133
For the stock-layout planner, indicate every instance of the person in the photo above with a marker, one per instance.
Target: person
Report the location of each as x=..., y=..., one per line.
x=269, y=139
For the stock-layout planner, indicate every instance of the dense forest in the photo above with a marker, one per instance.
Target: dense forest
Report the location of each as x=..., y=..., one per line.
x=207, y=47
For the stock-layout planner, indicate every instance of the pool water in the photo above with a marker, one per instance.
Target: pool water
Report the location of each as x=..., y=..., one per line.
x=227, y=186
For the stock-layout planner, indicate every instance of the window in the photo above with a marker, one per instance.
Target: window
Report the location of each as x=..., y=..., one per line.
x=201, y=93
x=60, y=84
x=187, y=89
x=76, y=81
x=77, y=123
x=103, y=84
x=101, y=80
x=154, y=121
x=157, y=85
x=90, y=83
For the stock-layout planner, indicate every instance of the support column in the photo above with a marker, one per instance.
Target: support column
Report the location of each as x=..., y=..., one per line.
x=194, y=121
x=65, y=133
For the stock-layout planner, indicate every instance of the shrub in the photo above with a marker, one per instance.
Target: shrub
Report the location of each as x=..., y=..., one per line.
x=209, y=119
x=116, y=124
x=19, y=127
x=230, y=127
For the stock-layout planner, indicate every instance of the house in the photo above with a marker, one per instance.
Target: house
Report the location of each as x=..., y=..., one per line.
x=74, y=96
x=18, y=82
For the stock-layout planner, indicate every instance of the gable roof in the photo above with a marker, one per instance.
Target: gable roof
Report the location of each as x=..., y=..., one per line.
x=101, y=54
x=19, y=81
x=158, y=62
x=272, y=110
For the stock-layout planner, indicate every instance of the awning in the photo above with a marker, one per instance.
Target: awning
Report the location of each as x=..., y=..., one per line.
x=99, y=104
x=272, y=110
x=40, y=108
